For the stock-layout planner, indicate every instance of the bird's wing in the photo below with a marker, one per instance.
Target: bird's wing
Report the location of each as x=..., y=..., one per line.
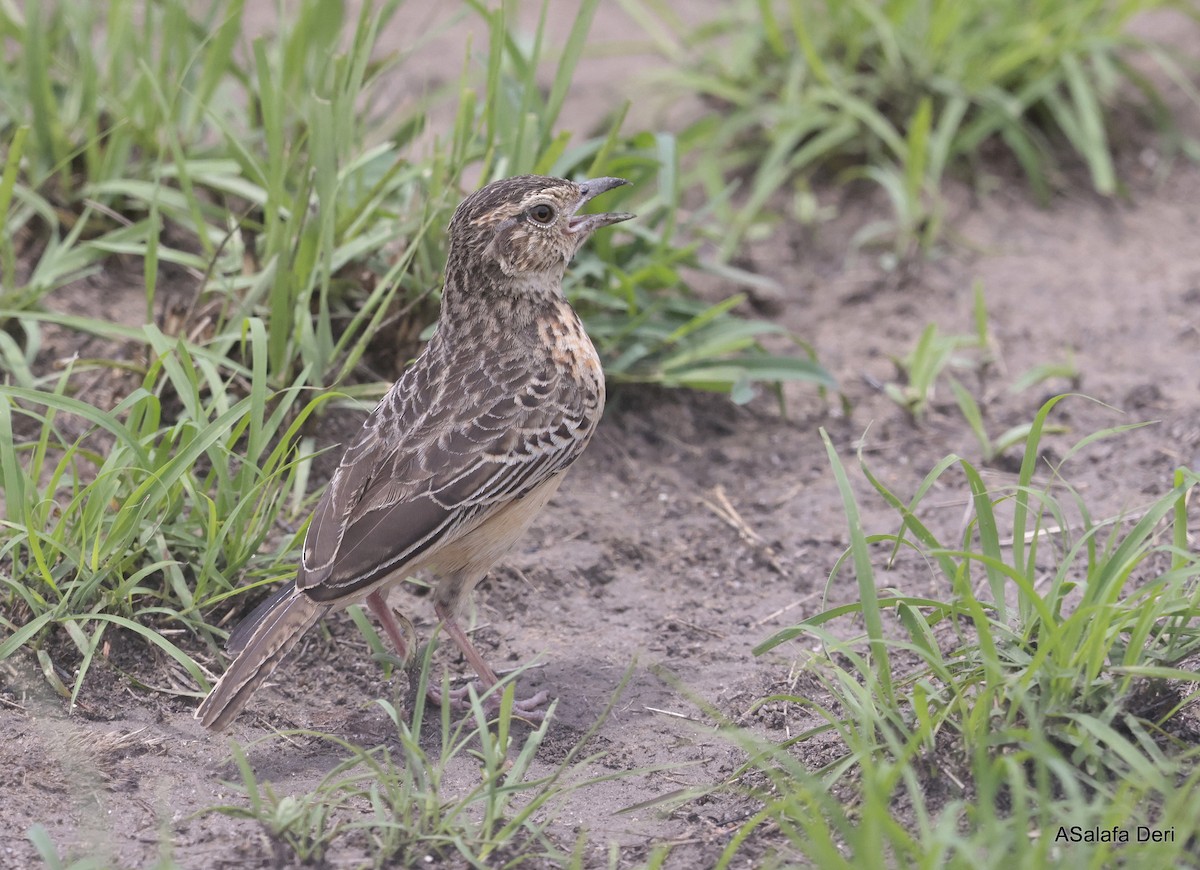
x=435, y=456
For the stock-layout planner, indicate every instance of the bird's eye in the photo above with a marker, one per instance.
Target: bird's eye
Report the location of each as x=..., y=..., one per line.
x=542, y=213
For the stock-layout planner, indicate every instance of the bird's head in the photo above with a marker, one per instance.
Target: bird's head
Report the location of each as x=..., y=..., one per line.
x=528, y=225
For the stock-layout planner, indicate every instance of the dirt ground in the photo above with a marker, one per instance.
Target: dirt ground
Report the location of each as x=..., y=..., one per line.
x=635, y=564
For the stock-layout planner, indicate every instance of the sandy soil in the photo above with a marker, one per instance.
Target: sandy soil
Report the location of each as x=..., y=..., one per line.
x=634, y=565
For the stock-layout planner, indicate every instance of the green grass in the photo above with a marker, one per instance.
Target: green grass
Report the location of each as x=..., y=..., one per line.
x=936, y=353
x=393, y=803
x=1030, y=694
x=919, y=371
x=901, y=93
x=144, y=522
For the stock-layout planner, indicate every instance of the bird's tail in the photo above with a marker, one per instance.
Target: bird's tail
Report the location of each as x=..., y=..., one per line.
x=261, y=642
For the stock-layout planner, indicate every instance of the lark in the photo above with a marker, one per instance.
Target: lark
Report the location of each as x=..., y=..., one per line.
x=464, y=450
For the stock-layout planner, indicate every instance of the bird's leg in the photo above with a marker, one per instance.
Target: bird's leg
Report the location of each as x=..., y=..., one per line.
x=402, y=638
x=530, y=709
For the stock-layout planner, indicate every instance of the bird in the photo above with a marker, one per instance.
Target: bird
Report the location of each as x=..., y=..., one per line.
x=463, y=451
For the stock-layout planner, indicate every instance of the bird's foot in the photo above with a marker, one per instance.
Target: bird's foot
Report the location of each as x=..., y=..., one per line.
x=532, y=710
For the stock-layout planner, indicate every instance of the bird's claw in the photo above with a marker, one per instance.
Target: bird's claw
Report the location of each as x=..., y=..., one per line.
x=531, y=710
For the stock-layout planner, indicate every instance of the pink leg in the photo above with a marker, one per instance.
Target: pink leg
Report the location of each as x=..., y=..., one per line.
x=529, y=709
x=398, y=636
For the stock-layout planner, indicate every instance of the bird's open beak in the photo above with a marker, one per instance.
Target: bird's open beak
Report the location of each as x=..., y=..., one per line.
x=586, y=223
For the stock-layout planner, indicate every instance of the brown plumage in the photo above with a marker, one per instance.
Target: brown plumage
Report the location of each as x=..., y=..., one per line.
x=465, y=449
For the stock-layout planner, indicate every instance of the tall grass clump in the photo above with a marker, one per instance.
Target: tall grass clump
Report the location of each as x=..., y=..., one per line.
x=141, y=516
x=901, y=93
x=1033, y=705
x=158, y=132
